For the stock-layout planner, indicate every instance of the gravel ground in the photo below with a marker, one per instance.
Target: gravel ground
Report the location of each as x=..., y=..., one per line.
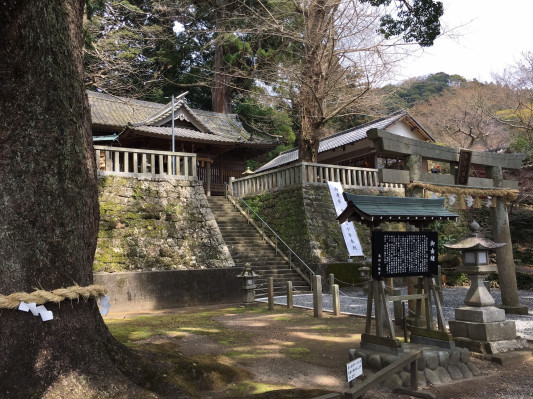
x=353, y=301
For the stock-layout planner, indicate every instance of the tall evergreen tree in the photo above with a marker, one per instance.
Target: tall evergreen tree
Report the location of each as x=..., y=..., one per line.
x=49, y=221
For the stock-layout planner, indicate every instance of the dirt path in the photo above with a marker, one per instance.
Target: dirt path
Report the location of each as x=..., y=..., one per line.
x=294, y=350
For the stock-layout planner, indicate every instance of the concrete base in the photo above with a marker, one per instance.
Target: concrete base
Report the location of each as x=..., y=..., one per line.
x=516, y=356
x=490, y=332
x=519, y=309
x=489, y=314
x=491, y=348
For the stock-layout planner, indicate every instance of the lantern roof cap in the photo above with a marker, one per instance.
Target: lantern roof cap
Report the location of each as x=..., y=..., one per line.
x=247, y=272
x=475, y=240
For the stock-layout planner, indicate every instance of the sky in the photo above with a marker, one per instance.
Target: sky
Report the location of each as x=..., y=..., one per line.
x=492, y=36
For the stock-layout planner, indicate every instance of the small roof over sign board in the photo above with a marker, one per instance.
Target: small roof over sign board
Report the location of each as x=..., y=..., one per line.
x=373, y=210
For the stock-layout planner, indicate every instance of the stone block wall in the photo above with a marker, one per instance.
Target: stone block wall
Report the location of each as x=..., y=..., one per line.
x=305, y=219
x=156, y=224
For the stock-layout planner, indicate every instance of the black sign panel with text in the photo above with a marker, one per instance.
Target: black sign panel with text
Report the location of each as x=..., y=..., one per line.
x=403, y=254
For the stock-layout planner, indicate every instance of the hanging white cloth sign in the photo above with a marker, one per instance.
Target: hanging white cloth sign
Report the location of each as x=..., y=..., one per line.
x=348, y=230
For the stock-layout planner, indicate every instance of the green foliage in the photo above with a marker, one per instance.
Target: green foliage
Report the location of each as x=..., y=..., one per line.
x=419, y=90
x=522, y=144
x=523, y=255
x=455, y=278
x=346, y=274
x=449, y=232
x=417, y=21
x=524, y=281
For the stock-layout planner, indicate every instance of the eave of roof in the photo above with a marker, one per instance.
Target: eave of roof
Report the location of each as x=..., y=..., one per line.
x=343, y=138
x=376, y=209
x=193, y=135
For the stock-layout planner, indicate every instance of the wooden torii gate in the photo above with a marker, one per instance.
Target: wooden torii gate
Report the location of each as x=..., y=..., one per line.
x=420, y=259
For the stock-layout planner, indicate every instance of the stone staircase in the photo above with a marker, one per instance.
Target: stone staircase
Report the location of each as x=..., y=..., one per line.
x=247, y=246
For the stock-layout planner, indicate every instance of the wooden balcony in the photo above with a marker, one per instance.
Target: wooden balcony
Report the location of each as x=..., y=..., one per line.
x=310, y=173
x=130, y=162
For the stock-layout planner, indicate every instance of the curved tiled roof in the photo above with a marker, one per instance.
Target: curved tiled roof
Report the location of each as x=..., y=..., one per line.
x=145, y=117
x=113, y=111
x=192, y=135
x=343, y=138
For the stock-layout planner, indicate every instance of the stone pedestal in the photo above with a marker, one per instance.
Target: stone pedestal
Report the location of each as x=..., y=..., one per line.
x=484, y=330
x=480, y=326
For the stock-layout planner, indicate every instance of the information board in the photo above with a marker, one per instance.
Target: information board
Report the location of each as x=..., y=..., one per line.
x=403, y=254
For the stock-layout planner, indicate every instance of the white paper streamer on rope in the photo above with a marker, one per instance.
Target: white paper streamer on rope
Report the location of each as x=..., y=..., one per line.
x=104, y=305
x=451, y=201
x=469, y=201
x=35, y=310
x=434, y=196
x=489, y=202
x=348, y=229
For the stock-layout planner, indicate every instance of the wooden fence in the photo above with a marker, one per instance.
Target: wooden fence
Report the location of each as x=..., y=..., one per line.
x=310, y=173
x=132, y=162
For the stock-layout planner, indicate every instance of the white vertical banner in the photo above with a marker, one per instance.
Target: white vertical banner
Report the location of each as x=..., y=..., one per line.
x=348, y=230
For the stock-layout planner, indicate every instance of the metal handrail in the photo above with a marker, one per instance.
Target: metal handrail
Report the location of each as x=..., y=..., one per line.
x=276, y=236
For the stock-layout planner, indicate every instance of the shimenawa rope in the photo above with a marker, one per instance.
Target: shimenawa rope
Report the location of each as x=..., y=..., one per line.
x=40, y=297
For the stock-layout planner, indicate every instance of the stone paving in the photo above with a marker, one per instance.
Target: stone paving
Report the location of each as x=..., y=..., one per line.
x=353, y=301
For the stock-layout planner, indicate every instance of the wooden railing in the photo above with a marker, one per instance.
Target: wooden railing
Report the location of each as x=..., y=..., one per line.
x=133, y=162
x=310, y=173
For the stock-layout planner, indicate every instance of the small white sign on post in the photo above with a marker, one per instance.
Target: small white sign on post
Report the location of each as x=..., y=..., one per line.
x=354, y=369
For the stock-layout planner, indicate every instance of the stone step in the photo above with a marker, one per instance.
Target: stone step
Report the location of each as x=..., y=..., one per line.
x=246, y=246
x=251, y=241
x=252, y=249
x=267, y=262
x=280, y=277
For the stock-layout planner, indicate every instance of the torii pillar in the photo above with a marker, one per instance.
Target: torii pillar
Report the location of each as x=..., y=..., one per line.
x=504, y=255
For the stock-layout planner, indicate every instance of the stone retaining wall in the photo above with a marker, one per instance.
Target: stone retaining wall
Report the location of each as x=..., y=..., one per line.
x=305, y=219
x=137, y=291
x=157, y=224
x=436, y=366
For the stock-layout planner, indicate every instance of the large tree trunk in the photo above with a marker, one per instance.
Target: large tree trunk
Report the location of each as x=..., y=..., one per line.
x=221, y=92
x=314, y=79
x=49, y=204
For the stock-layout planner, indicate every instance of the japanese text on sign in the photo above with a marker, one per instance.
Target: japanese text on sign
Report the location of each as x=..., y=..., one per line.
x=401, y=254
x=348, y=230
x=354, y=369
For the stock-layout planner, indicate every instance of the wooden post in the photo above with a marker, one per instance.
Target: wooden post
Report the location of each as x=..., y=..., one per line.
x=317, y=296
x=208, y=178
x=289, y=295
x=271, y=293
x=336, y=303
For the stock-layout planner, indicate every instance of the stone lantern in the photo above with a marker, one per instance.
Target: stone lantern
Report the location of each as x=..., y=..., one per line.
x=475, y=255
x=248, y=285
x=480, y=326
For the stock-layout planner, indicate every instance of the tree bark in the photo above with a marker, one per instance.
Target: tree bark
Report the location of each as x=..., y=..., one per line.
x=49, y=202
x=315, y=65
x=221, y=92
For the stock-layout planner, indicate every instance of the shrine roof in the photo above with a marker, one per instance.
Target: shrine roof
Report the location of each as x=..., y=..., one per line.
x=371, y=209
